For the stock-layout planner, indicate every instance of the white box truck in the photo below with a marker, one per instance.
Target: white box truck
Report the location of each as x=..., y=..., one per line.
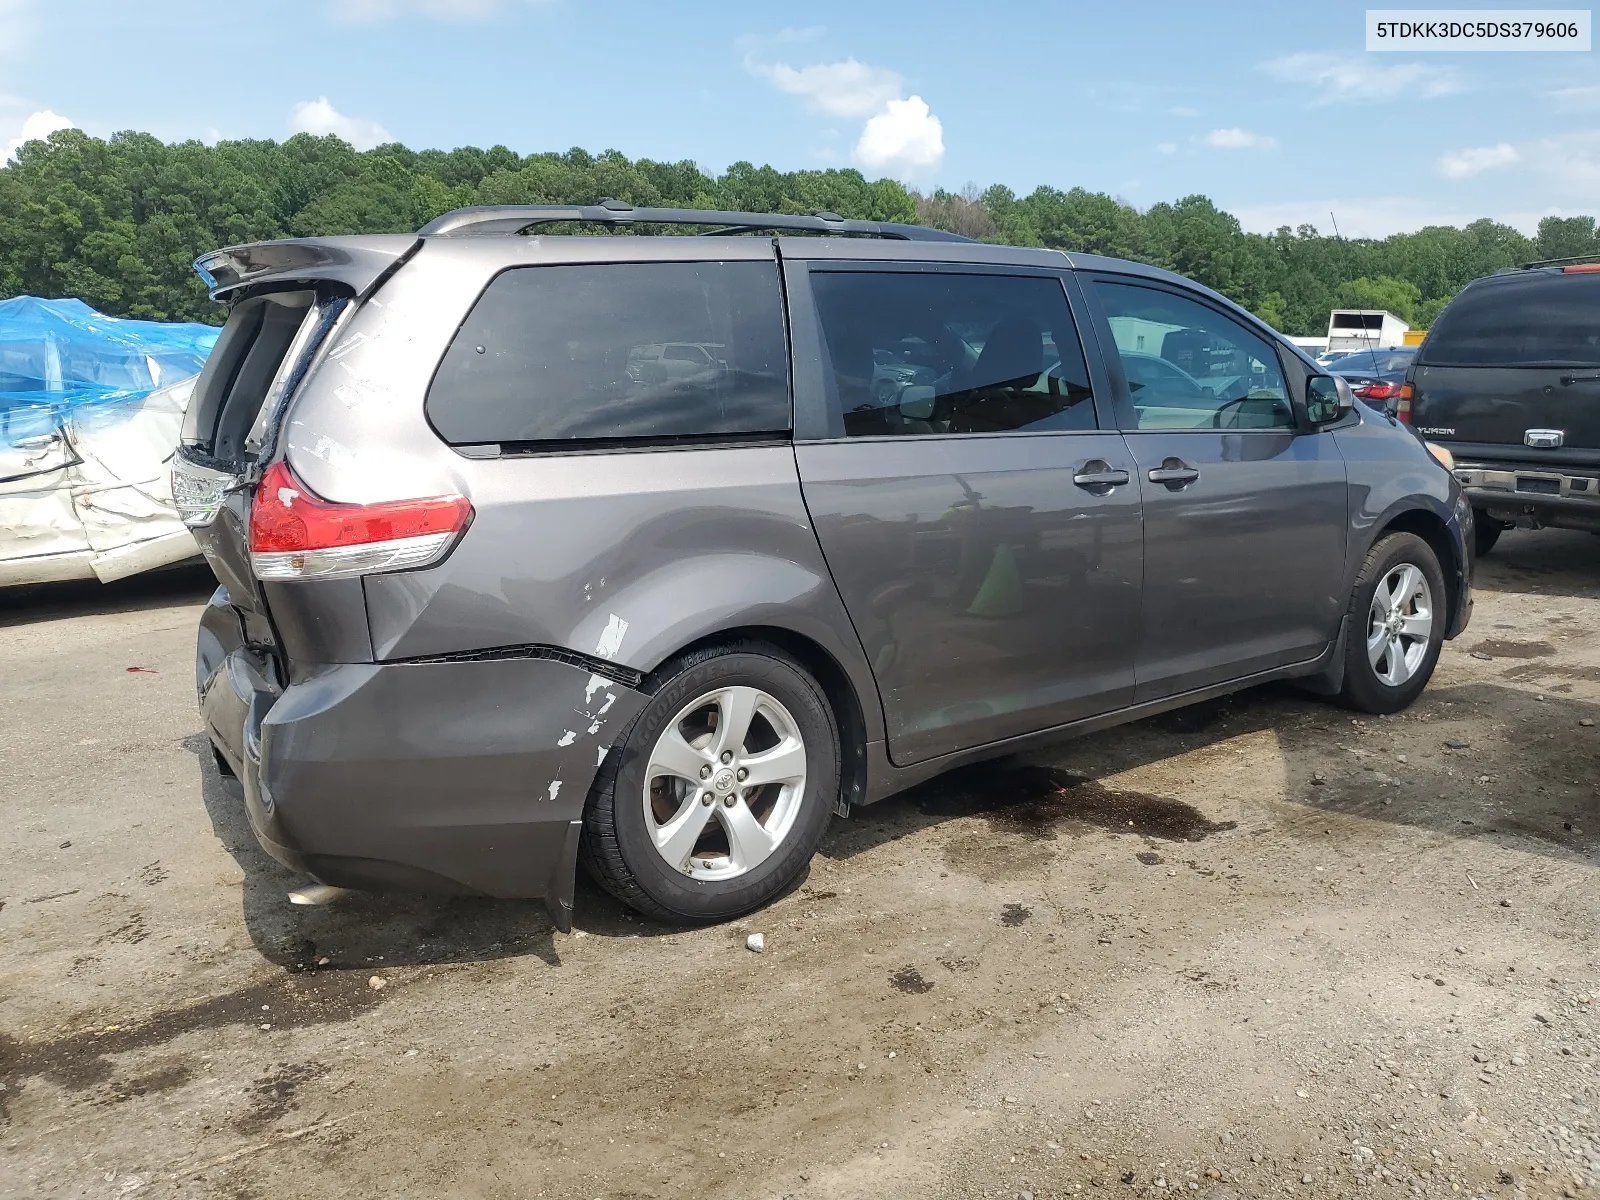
x=1365, y=329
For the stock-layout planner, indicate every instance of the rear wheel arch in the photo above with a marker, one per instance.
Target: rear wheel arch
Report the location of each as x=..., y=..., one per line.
x=829, y=673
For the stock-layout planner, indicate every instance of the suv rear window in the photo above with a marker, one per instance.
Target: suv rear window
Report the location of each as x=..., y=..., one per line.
x=617, y=351
x=1541, y=319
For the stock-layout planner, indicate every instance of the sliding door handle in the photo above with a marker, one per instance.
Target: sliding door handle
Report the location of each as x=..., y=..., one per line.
x=1097, y=475
x=1175, y=473
x=1100, y=478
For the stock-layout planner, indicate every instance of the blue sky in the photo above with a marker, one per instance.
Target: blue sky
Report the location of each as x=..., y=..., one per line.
x=1275, y=111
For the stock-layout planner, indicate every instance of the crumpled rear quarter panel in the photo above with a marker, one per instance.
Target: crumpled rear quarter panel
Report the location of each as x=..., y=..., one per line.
x=469, y=772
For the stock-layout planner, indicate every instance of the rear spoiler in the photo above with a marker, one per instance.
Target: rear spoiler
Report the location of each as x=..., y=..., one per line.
x=360, y=263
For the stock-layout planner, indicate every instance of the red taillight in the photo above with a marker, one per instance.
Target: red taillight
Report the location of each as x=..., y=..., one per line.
x=1381, y=390
x=1581, y=268
x=295, y=534
x=1402, y=406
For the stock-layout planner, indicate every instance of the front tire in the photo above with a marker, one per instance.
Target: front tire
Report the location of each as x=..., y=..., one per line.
x=1395, y=625
x=719, y=794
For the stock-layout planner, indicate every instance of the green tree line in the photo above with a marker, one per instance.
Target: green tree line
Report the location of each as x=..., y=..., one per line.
x=118, y=222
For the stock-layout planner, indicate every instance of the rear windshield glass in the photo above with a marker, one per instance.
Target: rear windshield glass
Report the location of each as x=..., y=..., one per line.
x=1541, y=319
x=617, y=351
x=1377, y=362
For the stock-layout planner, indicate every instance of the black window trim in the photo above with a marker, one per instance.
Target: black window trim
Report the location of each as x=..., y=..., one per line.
x=555, y=446
x=823, y=421
x=1290, y=367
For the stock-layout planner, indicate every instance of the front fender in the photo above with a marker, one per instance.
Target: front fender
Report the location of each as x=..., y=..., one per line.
x=1395, y=483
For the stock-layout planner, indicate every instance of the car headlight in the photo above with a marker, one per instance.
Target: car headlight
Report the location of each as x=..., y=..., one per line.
x=1446, y=459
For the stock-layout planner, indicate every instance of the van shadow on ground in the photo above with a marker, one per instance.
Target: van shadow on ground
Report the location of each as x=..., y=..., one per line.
x=1537, y=798
x=1523, y=777
x=363, y=930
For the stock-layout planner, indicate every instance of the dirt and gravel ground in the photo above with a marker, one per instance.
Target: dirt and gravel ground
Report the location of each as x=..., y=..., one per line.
x=1255, y=948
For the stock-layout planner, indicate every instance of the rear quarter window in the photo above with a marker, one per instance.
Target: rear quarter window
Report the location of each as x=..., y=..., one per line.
x=617, y=352
x=1542, y=319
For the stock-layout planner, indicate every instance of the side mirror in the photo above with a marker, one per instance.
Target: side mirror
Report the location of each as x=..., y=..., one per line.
x=916, y=403
x=1328, y=397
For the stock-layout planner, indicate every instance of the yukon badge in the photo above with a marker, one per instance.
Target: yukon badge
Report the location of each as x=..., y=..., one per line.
x=1544, y=439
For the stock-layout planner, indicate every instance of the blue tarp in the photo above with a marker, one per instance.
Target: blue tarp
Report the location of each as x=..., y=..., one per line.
x=61, y=358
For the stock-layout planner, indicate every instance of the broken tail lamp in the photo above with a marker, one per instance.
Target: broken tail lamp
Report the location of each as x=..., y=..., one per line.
x=296, y=534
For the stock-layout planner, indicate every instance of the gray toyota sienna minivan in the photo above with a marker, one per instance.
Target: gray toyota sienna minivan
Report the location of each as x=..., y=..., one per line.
x=656, y=551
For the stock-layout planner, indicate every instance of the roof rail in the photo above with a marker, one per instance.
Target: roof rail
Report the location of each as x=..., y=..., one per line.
x=516, y=218
x=1557, y=262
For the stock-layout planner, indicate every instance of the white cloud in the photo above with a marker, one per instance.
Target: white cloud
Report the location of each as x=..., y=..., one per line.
x=901, y=135
x=319, y=117
x=1166, y=147
x=365, y=12
x=1339, y=79
x=1570, y=163
x=841, y=89
x=1239, y=139
x=37, y=127
x=905, y=138
x=1576, y=99
x=1461, y=164
x=1380, y=216
x=1183, y=110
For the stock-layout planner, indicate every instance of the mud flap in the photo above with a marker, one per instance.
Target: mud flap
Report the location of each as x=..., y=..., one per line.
x=1329, y=681
x=564, y=879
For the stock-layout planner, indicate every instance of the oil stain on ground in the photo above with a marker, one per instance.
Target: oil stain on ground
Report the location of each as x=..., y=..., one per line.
x=77, y=1061
x=1015, y=914
x=910, y=981
x=160, y=1079
x=273, y=1095
x=1034, y=801
x=1503, y=648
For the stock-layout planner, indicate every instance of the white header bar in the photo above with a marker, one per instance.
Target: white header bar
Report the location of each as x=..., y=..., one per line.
x=1422, y=29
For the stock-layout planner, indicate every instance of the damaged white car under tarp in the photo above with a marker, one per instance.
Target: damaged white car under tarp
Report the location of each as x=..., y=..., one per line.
x=90, y=412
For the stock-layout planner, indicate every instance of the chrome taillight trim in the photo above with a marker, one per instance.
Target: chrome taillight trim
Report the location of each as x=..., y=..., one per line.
x=339, y=562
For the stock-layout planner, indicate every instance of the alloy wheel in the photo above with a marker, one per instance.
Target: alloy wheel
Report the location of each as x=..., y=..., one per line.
x=724, y=783
x=1399, y=624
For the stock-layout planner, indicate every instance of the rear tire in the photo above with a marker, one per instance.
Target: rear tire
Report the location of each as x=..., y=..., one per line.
x=676, y=825
x=1392, y=642
x=1486, y=532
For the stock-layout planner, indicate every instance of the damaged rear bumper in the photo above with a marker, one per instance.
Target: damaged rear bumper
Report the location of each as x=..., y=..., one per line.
x=457, y=777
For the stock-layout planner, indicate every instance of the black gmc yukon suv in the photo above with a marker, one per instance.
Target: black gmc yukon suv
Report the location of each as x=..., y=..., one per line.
x=1509, y=379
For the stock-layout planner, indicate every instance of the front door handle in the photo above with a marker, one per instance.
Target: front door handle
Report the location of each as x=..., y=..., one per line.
x=1175, y=473
x=1097, y=475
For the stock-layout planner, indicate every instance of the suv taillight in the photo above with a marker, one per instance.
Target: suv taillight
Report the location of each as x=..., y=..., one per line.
x=295, y=534
x=1402, y=406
